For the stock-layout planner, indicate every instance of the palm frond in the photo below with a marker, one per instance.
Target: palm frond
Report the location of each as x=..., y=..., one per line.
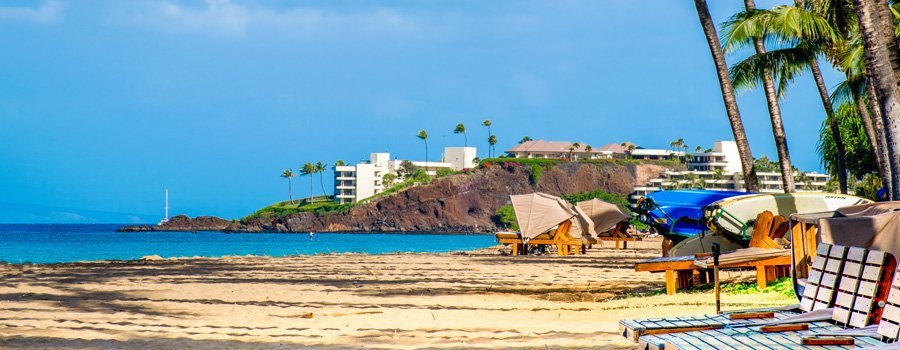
x=783, y=64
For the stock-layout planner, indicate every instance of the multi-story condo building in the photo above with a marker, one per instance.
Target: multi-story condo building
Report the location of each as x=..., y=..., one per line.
x=353, y=183
x=720, y=169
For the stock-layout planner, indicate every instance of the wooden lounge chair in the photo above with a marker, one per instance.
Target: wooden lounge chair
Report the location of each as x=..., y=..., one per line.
x=862, y=287
x=559, y=237
x=828, y=264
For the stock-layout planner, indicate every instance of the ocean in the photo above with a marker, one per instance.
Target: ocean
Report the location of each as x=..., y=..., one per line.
x=70, y=243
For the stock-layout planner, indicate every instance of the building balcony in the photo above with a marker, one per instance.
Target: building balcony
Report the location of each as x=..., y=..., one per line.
x=343, y=195
x=345, y=178
x=345, y=187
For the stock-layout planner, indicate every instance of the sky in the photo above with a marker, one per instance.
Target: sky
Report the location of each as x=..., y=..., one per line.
x=104, y=104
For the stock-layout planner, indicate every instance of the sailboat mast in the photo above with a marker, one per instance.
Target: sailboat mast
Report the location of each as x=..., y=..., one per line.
x=167, y=204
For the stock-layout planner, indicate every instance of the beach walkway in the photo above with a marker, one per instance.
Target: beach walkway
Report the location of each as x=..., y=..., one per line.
x=476, y=299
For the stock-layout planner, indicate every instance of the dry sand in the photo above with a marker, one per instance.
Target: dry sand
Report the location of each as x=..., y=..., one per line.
x=476, y=299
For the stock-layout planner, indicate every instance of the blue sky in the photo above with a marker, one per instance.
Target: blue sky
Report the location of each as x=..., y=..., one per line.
x=104, y=104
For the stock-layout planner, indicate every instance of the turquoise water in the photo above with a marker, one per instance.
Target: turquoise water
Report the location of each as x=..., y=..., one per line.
x=69, y=243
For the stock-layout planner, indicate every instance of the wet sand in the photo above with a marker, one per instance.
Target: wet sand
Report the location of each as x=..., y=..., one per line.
x=473, y=299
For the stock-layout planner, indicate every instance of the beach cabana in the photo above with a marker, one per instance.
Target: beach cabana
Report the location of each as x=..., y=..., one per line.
x=547, y=220
x=610, y=222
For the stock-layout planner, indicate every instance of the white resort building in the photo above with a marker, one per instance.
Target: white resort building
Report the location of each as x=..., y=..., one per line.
x=720, y=169
x=353, y=183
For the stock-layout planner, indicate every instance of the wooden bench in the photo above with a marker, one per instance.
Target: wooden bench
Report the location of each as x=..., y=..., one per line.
x=682, y=273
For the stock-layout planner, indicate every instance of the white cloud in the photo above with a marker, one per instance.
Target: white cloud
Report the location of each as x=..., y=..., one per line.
x=48, y=12
x=229, y=19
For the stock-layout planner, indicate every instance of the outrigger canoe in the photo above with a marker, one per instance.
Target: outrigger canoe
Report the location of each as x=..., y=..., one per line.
x=734, y=216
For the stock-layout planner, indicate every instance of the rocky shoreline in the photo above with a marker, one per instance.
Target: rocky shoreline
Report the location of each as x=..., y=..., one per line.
x=464, y=203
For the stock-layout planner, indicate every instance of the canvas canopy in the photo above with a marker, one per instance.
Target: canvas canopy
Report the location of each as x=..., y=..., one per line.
x=604, y=215
x=539, y=212
x=871, y=226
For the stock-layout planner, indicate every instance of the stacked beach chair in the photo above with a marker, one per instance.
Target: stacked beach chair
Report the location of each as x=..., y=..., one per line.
x=848, y=286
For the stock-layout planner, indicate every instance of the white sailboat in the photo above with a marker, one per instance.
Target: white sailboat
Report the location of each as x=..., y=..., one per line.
x=165, y=219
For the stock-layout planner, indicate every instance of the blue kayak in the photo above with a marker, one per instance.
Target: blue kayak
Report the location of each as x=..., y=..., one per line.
x=678, y=212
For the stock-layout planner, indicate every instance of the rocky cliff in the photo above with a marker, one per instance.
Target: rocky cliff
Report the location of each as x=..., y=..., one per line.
x=457, y=203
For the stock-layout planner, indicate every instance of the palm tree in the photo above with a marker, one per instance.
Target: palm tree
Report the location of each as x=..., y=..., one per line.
x=288, y=174
x=492, y=140
x=524, y=139
x=809, y=35
x=321, y=168
x=768, y=82
x=487, y=123
x=309, y=169
x=731, y=107
x=461, y=129
x=423, y=135
x=879, y=54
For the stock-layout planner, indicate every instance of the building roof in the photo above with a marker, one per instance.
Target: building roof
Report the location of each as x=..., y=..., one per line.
x=619, y=148
x=550, y=147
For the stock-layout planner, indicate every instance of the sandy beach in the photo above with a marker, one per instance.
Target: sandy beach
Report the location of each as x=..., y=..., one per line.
x=471, y=299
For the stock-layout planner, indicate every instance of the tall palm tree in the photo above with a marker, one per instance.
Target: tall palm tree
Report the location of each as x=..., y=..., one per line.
x=309, y=169
x=487, y=123
x=768, y=82
x=878, y=53
x=288, y=174
x=321, y=168
x=524, y=139
x=461, y=129
x=423, y=135
x=803, y=35
x=731, y=107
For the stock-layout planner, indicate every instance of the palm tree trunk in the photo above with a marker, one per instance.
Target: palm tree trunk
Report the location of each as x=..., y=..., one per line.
x=879, y=64
x=490, y=147
x=426, y=157
x=784, y=156
x=878, y=126
x=731, y=107
x=311, y=194
x=290, y=191
x=832, y=123
x=322, y=183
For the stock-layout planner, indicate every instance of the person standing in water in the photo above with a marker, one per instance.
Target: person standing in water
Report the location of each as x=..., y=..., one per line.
x=310, y=235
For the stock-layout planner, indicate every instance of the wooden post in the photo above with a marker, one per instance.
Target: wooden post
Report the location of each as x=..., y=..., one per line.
x=670, y=282
x=761, y=277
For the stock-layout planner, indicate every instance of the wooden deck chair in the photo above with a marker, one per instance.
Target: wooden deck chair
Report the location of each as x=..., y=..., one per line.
x=828, y=264
x=859, y=295
x=765, y=228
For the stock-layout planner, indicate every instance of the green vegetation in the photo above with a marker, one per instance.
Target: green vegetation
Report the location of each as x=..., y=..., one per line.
x=418, y=177
x=507, y=217
x=535, y=173
x=444, y=172
x=783, y=286
x=317, y=205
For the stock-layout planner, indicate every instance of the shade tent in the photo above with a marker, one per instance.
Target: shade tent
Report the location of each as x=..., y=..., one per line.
x=582, y=225
x=871, y=226
x=604, y=215
x=539, y=212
